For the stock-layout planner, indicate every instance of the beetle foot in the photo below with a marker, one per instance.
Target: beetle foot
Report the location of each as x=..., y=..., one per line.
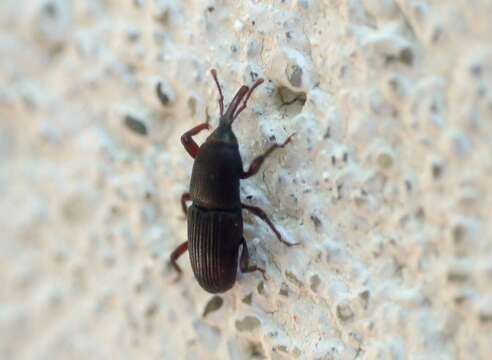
x=289, y=244
x=286, y=243
x=261, y=270
x=172, y=268
x=176, y=279
x=263, y=274
x=287, y=141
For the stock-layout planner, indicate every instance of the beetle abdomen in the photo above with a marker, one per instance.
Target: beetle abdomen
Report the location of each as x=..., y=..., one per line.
x=213, y=242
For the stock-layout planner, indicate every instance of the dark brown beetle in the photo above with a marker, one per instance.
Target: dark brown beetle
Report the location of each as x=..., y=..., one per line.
x=215, y=222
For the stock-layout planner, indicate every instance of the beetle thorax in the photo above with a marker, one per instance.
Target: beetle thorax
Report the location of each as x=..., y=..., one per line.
x=223, y=133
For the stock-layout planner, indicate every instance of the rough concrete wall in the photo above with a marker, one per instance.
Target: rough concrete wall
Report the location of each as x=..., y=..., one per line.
x=385, y=184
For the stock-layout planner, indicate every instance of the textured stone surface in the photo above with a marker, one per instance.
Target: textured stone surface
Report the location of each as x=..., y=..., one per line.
x=385, y=185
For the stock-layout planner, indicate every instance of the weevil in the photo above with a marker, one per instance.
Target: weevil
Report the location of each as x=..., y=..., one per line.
x=215, y=222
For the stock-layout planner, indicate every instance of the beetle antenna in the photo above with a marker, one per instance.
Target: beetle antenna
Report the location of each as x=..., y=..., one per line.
x=221, y=99
x=256, y=84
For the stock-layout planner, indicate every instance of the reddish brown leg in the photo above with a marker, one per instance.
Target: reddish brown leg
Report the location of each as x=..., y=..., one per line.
x=244, y=265
x=180, y=250
x=261, y=214
x=184, y=199
x=257, y=162
x=188, y=142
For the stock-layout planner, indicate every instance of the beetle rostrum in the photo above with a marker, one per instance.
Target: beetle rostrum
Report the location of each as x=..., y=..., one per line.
x=215, y=222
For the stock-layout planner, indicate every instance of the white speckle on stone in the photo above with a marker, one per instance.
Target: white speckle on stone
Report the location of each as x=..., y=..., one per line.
x=238, y=25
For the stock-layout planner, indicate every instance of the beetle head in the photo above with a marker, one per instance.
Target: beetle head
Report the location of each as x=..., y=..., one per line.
x=237, y=104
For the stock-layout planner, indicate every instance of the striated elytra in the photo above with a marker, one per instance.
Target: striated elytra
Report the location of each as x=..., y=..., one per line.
x=215, y=222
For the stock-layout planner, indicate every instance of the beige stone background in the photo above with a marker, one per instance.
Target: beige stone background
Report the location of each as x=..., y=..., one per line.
x=386, y=184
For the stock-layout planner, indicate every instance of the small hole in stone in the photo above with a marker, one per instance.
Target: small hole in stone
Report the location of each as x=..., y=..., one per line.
x=255, y=350
x=344, y=312
x=486, y=318
x=406, y=56
x=327, y=133
x=459, y=233
x=408, y=185
x=248, y=299
x=289, y=97
x=364, y=296
x=293, y=279
x=162, y=95
x=437, y=171
x=151, y=310
x=316, y=221
x=260, y=288
x=248, y=323
x=136, y=125
x=214, y=304
x=385, y=161
x=50, y=10
x=476, y=70
x=315, y=282
x=294, y=75
x=284, y=290
x=192, y=105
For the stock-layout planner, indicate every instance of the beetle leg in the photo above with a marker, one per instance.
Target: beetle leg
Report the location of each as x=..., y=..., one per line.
x=184, y=199
x=257, y=162
x=244, y=265
x=261, y=214
x=180, y=250
x=188, y=142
